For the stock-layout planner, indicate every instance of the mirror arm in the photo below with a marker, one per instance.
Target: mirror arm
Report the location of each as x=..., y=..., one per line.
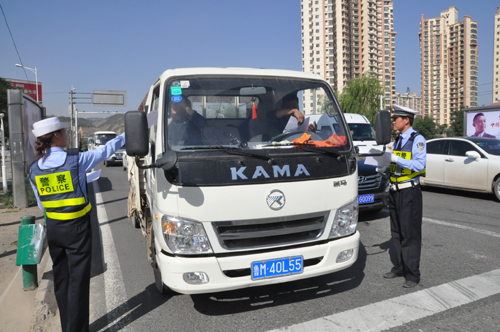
x=137, y=162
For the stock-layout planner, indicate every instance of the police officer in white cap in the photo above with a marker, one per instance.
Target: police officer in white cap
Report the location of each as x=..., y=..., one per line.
x=59, y=182
x=408, y=160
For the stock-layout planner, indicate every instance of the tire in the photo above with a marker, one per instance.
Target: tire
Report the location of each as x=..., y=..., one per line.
x=106, y=163
x=135, y=221
x=162, y=288
x=496, y=188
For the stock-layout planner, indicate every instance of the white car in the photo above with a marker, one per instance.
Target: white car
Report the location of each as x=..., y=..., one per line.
x=116, y=158
x=466, y=163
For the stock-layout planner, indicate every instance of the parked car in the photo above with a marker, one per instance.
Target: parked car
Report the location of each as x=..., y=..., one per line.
x=466, y=163
x=116, y=158
x=373, y=188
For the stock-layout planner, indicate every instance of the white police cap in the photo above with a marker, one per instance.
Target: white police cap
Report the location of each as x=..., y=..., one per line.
x=47, y=126
x=402, y=111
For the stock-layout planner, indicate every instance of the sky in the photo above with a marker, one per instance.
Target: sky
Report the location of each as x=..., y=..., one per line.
x=126, y=45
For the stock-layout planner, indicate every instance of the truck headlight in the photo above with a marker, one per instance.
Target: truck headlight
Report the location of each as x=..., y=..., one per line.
x=185, y=236
x=345, y=221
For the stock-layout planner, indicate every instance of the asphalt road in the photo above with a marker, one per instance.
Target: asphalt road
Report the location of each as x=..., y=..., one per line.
x=461, y=237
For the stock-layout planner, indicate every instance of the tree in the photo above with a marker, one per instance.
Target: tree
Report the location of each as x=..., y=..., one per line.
x=426, y=126
x=457, y=122
x=361, y=95
x=4, y=86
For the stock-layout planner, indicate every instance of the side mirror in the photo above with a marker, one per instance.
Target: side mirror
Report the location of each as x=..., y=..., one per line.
x=136, y=134
x=383, y=127
x=473, y=155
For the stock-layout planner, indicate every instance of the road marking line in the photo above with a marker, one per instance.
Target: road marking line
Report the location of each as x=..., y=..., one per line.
x=114, y=288
x=4, y=294
x=444, y=223
x=407, y=308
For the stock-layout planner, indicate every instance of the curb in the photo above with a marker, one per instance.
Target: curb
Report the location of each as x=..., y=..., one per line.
x=46, y=316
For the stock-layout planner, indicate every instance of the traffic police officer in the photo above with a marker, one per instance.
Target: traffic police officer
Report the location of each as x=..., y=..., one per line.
x=59, y=182
x=408, y=160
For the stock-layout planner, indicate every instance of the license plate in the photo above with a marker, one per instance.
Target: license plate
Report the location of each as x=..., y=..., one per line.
x=364, y=199
x=277, y=267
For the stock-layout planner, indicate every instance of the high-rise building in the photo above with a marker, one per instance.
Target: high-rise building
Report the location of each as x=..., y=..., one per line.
x=408, y=99
x=448, y=64
x=344, y=39
x=496, y=58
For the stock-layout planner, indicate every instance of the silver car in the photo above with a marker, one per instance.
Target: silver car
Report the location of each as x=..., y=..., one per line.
x=117, y=157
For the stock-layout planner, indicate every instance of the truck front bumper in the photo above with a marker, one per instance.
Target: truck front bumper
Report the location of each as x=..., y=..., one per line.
x=230, y=272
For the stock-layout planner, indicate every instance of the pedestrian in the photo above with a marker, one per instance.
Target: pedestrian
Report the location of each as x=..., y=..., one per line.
x=405, y=200
x=59, y=182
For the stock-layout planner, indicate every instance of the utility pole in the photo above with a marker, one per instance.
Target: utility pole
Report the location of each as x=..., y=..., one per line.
x=71, y=112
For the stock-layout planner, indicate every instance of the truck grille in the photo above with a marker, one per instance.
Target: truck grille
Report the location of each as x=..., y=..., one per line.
x=367, y=182
x=245, y=234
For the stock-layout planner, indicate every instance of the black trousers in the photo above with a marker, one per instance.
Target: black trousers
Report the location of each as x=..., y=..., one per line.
x=70, y=248
x=405, y=207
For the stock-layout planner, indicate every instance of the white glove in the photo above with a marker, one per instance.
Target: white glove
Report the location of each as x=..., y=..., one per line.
x=394, y=158
x=381, y=169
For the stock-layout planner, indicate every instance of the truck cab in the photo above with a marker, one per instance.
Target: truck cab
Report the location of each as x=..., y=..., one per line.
x=228, y=192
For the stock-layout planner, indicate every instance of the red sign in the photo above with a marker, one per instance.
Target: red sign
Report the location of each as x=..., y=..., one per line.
x=29, y=87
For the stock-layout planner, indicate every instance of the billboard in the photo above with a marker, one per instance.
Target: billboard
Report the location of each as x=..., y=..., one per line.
x=29, y=87
x=483, y=122
x=32, y=114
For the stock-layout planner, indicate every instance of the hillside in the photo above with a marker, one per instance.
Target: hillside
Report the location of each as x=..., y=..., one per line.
x=89, y=125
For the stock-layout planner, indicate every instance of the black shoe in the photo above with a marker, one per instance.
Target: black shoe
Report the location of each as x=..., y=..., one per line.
x=410, y=284
x=391, y=275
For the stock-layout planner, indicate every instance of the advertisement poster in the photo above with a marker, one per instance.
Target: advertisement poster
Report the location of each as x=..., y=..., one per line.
x=29, y=87
x=483, y=124
x=32, y=114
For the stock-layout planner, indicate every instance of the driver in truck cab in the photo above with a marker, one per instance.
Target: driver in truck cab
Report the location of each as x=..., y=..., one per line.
x=277, y=121
x=185, y=124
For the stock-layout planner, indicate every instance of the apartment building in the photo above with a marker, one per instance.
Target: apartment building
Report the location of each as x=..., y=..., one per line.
x=448, y=64
x=408, y=99
x=496, y=58
x=343, y=39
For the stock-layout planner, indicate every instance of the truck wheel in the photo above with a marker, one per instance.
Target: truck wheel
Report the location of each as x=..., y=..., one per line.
x=135, y=221
x=162, y=288
x=496, y=188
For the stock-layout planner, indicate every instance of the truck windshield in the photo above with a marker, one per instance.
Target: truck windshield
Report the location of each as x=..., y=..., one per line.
x=101, y=139
x=252, y=113
x=362, y=132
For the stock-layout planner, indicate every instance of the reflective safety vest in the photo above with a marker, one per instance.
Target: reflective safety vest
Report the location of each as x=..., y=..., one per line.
x=398, y=174
x=60, y=192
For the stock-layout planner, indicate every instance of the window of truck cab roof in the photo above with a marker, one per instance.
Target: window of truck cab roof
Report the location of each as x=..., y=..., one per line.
x=247, y=113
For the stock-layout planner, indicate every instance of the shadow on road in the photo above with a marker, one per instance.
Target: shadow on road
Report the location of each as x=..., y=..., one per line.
x=256, y=298
x=104, y=185
x=128, y=312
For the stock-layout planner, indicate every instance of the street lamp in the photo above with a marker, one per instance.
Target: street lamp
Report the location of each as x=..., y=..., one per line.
x=36, y=78
x=4, y=173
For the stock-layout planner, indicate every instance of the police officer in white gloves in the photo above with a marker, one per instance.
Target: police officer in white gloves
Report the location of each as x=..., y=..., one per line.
x=59, y=182
x=408, y=160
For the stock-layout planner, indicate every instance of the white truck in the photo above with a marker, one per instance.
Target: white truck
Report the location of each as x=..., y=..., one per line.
x=228, y=200
x=100, y=138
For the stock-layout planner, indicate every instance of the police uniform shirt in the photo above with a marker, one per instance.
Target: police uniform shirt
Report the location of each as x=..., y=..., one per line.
x=56, y=156
x=419, y=153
